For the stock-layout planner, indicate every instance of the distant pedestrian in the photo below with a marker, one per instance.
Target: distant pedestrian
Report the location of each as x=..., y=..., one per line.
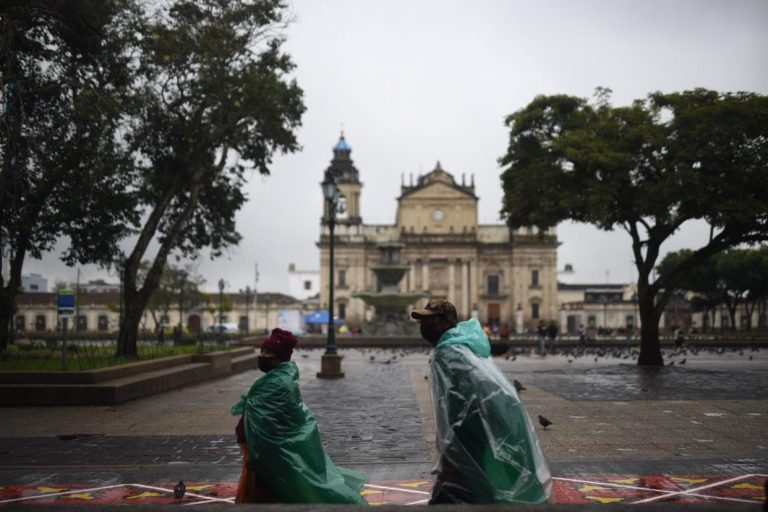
x=552, y=334
x=160, y=334
x=541, y=330
x=582, y=336
x=678, y=338
x=489, y=452
x=177, y=335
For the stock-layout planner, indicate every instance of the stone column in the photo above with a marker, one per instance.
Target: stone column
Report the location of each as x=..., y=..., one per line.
x=451, y=281
x=425, y=276
x=465, y=305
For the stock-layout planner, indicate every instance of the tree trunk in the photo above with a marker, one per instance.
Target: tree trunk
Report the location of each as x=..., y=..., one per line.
x=650, y=348
x=8, y=296
x=6, y=317
x=134, y=302
x=136, y=299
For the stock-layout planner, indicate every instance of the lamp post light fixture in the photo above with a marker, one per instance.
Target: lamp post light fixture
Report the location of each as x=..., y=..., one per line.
x=330, y=363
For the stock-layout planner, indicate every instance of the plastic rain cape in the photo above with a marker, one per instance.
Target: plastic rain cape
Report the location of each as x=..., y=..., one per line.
x=285, y=447
x=488, y=446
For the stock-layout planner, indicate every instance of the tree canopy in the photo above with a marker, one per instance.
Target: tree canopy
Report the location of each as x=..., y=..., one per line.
x=216, y=100
x=646, y=168
x=132, y=118
x=64, y=171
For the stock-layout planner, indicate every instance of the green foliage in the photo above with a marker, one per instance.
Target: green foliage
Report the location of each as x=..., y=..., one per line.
x=647, y=168
x=64, y=174
x=90, y=355
x=176, y=285
x=215, y=101
x=731, y=278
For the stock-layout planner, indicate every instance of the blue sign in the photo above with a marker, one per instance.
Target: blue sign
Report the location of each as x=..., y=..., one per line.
x=66, y=302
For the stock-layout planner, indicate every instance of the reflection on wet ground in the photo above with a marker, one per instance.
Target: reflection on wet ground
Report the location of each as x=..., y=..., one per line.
x=637, y=383
x=601, y=375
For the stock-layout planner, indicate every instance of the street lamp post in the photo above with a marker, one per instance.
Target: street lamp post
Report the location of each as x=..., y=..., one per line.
x=248, y=297
x=182, y=284
x=330, y=363
x=221, y=309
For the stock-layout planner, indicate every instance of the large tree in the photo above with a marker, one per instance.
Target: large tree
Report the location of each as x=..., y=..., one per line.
x=216, y=102
x=64, y=172
x=647, y=168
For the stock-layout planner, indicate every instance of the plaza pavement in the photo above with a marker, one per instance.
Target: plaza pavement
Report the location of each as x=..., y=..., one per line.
x=690, y=433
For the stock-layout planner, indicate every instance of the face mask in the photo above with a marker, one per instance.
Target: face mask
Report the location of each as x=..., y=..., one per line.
x=266, y=363
x=431, y=333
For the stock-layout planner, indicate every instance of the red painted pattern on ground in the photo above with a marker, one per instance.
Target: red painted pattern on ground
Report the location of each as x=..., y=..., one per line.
x=589, y=489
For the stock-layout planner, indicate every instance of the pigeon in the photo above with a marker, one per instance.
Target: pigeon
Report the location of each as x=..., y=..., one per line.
x=671, y=363
x=518, y=387
x=514, y=358
x=544, y=422
x=179, y=490
x=683, y=361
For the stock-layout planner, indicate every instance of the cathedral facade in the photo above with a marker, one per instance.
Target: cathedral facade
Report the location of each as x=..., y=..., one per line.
x=503, y=277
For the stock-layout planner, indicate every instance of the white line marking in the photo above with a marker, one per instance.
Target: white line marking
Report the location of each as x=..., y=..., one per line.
x=695, y=489
x=396, y=489
x=201, y=496
x=609, y=484
x=417, y=502
x=63, y=493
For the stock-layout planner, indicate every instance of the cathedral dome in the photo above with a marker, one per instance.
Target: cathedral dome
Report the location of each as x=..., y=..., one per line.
x=342, y=145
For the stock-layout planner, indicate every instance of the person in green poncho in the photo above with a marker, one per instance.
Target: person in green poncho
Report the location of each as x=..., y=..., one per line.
x=489, y=452
x=283, y=456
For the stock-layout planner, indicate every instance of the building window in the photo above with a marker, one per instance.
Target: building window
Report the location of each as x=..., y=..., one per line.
x=243, y=324
x=103, y=323
x=164, y=319
x=535, y=311
x=342, y=310
x=591, y=321
x=493, y=285
x=535, y=278
x=630, y=323
x=342, y=279
x=34, y=287
x=40, y=323
x=21, y=323
x=307, y=285
x=82, y=323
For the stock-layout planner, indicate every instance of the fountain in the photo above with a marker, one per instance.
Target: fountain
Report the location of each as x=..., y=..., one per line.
x=391, y=318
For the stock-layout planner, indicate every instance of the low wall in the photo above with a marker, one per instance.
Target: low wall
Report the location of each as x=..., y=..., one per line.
x=120, y=383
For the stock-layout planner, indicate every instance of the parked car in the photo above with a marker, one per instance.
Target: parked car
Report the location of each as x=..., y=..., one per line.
x=225, y=328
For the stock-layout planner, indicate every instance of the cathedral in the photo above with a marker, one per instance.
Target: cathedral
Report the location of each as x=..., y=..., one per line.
x=505, y=278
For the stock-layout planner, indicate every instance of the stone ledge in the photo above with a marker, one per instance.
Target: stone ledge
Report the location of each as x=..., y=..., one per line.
x=109, y=387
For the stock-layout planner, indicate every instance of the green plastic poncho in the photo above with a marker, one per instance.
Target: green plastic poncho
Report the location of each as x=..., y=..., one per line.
x=284, y=444
x=488, y=446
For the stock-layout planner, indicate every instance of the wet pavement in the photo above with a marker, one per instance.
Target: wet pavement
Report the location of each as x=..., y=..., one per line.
x=701, y=423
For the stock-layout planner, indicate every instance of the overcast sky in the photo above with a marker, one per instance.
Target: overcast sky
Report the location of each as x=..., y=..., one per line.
x=413, y=82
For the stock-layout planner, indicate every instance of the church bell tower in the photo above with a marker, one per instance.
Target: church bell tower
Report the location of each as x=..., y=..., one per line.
x=348, y=182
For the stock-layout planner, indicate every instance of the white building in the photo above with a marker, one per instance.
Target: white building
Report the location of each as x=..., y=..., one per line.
x=34, y=283
x=303, y=284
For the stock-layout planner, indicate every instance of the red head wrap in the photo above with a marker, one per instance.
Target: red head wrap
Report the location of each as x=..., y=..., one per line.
x=280, y=343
